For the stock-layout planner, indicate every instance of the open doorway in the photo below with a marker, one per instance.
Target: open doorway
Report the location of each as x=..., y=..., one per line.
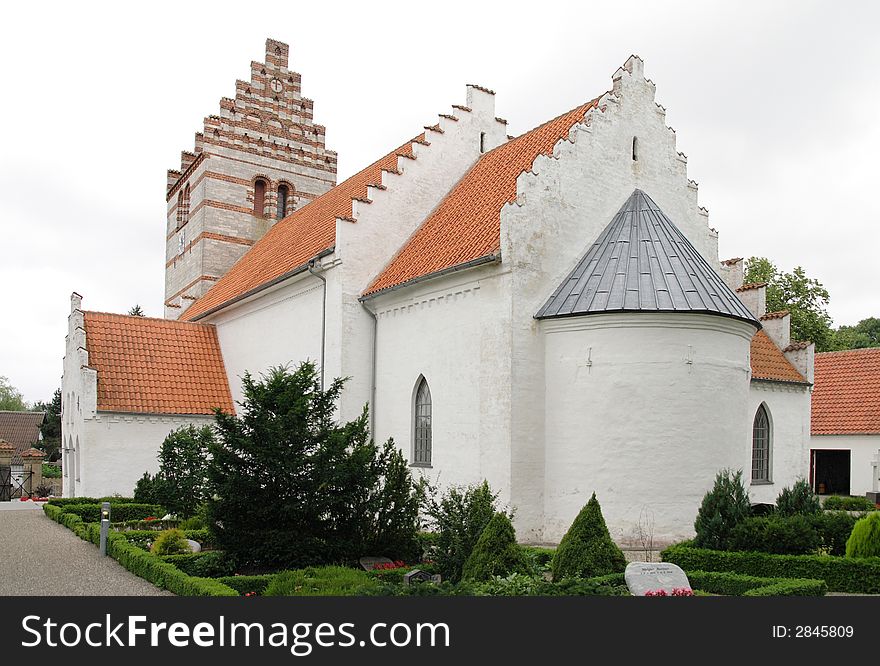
x=830, y=468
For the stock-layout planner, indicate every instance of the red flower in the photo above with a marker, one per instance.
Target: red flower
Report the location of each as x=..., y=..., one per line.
x=148, y=518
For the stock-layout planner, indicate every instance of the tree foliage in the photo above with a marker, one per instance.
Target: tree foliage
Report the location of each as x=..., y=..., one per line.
x=291, y=487
x=11, y=399
x=722, y=509
x=798, y=500
x=864, y=334
x=136, y=311
x=51, y=428
x=804, y=297
x=587, y=549
x=459, y=517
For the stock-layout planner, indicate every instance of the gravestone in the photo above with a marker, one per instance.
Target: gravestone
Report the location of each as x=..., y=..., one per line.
x=419, y=576
x=642, y=577
x=194, y=546
x=369, y=563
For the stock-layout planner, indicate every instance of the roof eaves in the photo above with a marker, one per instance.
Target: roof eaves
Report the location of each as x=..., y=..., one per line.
x=473, y=263
x=262, y=287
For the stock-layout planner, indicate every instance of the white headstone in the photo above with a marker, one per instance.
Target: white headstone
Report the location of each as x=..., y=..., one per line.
x=642, y=577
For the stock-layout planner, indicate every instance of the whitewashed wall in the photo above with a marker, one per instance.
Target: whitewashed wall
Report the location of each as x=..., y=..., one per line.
x=863, y=449
x=643, y=409
x=79, y=397
x=118, y=448
x=789, y=409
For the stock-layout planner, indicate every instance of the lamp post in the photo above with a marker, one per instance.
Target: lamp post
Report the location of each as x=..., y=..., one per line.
x=105, y=526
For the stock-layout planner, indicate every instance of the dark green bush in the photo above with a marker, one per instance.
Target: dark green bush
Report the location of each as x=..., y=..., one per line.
x=798, y=500
x=842, y=503
x=865, y=538
x=170, y=542
x=496, y=552
x=587, y=550
x=794, y=535
x=51, y=471
x=289, y=486
x=722, y=508
x=459, y=518
x=834, y=529
x=841, y=574
x=540, y=559
x=149, y=489
x=329, y=581
x=206, y=564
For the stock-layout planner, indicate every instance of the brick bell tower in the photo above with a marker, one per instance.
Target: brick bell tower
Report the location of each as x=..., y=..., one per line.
x=259, y=160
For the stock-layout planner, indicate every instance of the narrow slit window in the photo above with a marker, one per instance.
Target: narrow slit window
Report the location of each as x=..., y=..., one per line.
x=283, y=194
x=422, y=434
x=482, y=142
x=635, y=149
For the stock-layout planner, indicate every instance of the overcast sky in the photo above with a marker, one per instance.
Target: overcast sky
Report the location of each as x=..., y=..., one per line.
x=774, y=103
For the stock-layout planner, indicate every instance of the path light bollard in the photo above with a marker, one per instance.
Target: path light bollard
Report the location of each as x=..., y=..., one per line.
x=105, y=526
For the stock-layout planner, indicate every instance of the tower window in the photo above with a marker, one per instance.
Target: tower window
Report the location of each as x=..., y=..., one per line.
x=635, y=149
x=259, y=197
x=283, y=194
x=482, y=142
x=183, y=206
x=422, y=432
x=761, y=446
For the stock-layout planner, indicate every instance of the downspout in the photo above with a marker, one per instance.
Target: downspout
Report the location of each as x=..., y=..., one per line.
x=373, y=369
x=323, y=313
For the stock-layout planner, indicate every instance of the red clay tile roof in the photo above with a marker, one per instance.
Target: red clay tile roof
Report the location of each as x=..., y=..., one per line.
x=296, y=239
x=774, y=315
x=467, y=224
x=156, y=366
x=846, y=393
x=751, y=285
x=797, y=344
x=768, y=361
x=21, y=430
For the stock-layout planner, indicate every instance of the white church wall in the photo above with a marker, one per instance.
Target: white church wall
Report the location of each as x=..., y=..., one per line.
x=118, y=448
x=562, y=205
x=451, y=331
x=394, y=212
x=643, y=409
x=280, y=326
x=789, y=409
x=863, y=450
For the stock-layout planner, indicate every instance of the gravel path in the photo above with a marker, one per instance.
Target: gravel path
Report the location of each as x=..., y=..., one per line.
x=42, y=558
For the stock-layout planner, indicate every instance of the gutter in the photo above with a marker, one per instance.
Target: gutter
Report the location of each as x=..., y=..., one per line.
x=311, y=268
x=271, y=283
x=373, y=366
x=473, y=263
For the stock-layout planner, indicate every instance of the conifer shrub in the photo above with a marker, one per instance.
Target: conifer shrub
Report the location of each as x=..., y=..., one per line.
x=722, y=508
x=587, y=549
x=799, y=500
x=170, y=542
x=842, y=503
x=496, y=552
x=459, y=517
x=865, y=538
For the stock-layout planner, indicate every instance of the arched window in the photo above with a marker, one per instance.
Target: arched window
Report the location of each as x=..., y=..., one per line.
x=183, y=207
x=761, y=436
x=77, y=454
x=259, y=197
x=283, y=193
x=422, y=424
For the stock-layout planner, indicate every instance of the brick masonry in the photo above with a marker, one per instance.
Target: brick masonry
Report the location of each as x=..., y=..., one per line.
x=267, y=132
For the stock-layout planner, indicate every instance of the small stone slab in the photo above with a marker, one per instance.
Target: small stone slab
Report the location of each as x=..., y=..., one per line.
x=419, y=576
x=194, y=546
x=369, y=563
x=642, y=577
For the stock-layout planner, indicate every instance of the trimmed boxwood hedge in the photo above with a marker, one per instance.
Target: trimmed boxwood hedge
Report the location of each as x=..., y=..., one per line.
x=248, y=584
x=139, y=561
x=66, y=501
x=839, y=573
x=91, y=513
x=209, y=564
x=741, y=585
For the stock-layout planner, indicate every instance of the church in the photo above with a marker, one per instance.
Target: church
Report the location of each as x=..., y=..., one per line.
x=546, y=311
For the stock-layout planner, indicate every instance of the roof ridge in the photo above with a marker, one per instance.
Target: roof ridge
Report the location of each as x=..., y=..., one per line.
x=849, y=351
x=144, y=318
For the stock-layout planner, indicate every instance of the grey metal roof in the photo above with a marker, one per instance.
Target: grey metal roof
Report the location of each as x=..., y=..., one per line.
x=641, y=262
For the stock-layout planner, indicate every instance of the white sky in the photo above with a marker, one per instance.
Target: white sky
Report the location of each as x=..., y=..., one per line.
x=775, y=104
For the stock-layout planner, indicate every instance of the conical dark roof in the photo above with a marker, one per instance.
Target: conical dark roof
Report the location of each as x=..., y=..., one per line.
x=641, y=262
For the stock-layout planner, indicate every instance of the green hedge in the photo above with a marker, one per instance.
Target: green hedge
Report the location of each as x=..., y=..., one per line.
x=91, y=513
x=248, y=584
x=741, y=585
x=209, y=564
x=839, y=573
x=66, y=501
x=145, y=525
x=839, y=502
x=140, y=562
